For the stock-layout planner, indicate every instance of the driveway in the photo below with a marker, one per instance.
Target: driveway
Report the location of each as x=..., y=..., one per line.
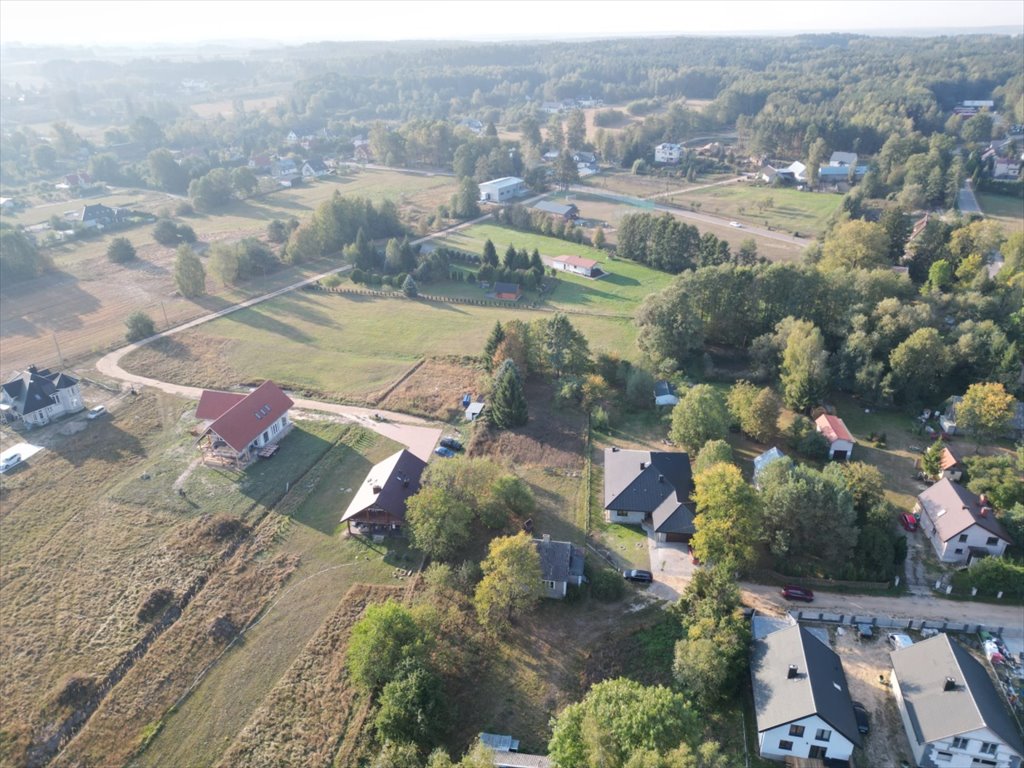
x=671, y=566
x=965, y=199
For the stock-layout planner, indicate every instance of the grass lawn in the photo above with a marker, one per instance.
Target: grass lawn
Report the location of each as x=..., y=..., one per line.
x=341, y=346
x=791, y=211
x=1008, y=211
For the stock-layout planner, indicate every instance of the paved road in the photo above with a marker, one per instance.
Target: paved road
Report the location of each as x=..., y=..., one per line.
x=686, y=190
x=966, y=200
x=703, y=218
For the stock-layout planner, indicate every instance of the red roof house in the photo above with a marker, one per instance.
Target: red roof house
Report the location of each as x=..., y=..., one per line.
x=243, y=425
x=840, y=441
x=577, y=265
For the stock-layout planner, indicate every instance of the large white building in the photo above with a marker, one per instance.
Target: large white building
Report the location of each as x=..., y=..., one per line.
x=502, y=190
x=37, y=396
x=668, y=153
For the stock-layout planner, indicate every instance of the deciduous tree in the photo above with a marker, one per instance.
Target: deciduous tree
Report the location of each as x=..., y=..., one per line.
x=386, y=636
x=804, y=366
x=140, y=326
x=189, y=275
x=713, y=452
x=985, y=412
x=511, y=585
x=121, y=250
x=699, y=416
x=438, y=521
x=728, y=520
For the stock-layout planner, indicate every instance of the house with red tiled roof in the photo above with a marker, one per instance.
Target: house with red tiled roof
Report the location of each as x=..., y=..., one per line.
x=240, y=427
x=840, y=441
x=577, y=265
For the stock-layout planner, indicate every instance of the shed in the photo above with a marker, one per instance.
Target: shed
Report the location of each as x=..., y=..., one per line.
x=508, y=291
x=665, y=394
x=840, y=441
x=473, y=411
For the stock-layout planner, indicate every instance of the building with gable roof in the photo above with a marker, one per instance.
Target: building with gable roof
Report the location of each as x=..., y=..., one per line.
x=960, y=525
x=650, y=486
x=952, y=712
x=561, y=564
x=578, y=265
x=380, y=501
x=801, y=698
x=761, y=462
x=238, y=427
x=840, y=441
x=37, y=396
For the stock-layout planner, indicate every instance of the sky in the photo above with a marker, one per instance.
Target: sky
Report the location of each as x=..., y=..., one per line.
x=140, y=22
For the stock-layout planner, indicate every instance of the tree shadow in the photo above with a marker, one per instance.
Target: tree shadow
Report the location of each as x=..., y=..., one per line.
x=615, y=279
x=48, y=312
x=267, y=323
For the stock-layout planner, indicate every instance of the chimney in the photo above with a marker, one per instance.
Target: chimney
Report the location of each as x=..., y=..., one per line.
x=950, y=684
x=983, y=500
x=985, y=511
x=661, y=478
x=792, y=674
x=376, y=489
x=643, y=465
x=547, y=537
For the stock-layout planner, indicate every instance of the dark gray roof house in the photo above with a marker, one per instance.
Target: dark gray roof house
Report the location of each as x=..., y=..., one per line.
x=800, y=691
x=98, y=214
x=381, y=499
x=650, y=485
x=38, y=395
x=566, y=211
x=561, y=564
x=951, y=708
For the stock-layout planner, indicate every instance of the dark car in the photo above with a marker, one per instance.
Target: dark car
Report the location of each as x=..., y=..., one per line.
x=791, y=592
x=863, y=721
x=638, y=575
x=452, y=443
x=446, y=452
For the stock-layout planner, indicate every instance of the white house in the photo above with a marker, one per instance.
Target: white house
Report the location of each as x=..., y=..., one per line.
x=840, y=441
x=38, y=396
x=650, y=487
x=314, y=168
x=842, y=159
x=801, y=698
x=793, y=173
x=668, y=153
x=561, y=564
x=953, y=714
x=240, y=426
x=577, y=265
x=960, y=525
x=473, y=411
x=502, y=190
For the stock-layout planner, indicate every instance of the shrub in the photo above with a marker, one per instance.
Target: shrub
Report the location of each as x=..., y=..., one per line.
x=607, y=586
x=332, y=281
x=599, y=419
x=140, y=326
x=184, y=208
x=154, y=605
x=121, y=250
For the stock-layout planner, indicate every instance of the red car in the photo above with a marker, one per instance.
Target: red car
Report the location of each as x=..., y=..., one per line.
x=791, y=592
x=909, y=522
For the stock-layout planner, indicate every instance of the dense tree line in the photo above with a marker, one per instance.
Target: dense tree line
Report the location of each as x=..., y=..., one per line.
x=337, y=223
x=666, y=243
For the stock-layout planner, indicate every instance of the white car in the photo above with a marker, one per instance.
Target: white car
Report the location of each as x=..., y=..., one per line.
x=735, y=224
x=95, y=413
x=11, y=461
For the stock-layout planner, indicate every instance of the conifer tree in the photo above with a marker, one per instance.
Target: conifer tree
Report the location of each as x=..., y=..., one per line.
x=493, y=342
x=508, y=403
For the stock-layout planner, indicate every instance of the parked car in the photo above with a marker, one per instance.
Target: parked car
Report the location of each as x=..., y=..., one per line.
x=898, y=640
x=96, y=412
x=735, y=224
x=865, y=631
x=442, y=451
x=13, y=460
x=791, y=592
x=909, y=522
x=638, y=575
x=452, y=443
x=863, y=721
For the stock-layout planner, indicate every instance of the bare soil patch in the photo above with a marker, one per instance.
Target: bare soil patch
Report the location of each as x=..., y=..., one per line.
x=554, y=436
x=293, y=726
x=867, y=667
x=435, y=389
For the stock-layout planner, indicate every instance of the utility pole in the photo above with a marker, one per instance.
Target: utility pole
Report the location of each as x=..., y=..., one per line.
x=60, y=357
x=167, y=323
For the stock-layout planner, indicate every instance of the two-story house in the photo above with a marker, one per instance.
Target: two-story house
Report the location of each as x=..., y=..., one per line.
x=959, y=524
x=650, y=487
x=952, y=712
x=37, y=396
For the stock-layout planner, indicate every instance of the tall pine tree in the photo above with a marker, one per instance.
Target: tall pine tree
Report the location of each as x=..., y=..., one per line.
x=493, y=342
x=490, y=254
x=507, y=408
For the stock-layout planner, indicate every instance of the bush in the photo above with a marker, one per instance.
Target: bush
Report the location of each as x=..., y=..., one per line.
x=599, y=419
x=154, y=605
x=166, y=232
x=607, y=586
x=140, y=326
x=332, y=281
x=184, y=208
x=991, y=576
x=121, y=250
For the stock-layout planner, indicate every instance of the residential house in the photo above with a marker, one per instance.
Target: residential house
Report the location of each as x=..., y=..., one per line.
x=473, y=411
x=98, y=216
x=474, y=126
x=795, y=172
x=290, y=180
x=1005, y=168
x=76, y=180
x=577, y=265
x=284, y=168
x=668, y=153
x=508, y=291
x=502, y=190
x=650, y=487
x=951, y=463
x=952, y=712
x=38, y=396
x=801, y=699
x=840, y=441
x=261, y=163
x=960, y=525
x=566, y=211
x=842, y=159
x=550, y=156
x=292, y=138
x=588, y=159
x=761, y=462
x=561, y=564
x=665, y=393
x=380, y=502
x=314, y=168
x=507, y=754
x=239, y=427
x=1015, y=428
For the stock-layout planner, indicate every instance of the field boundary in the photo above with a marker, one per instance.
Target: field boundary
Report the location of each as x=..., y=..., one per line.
x=401, y=379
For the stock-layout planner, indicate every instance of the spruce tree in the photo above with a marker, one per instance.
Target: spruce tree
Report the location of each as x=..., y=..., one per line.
x=493, y=342
x=490, y=254
x=508, y=402
x=509, y=262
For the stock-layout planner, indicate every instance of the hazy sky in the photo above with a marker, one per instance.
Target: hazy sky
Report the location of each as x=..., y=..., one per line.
x=103, y=22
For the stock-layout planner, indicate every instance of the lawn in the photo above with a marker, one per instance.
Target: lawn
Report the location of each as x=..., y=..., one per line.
x=790, y=210
x=340, y=346
x=1008, y=211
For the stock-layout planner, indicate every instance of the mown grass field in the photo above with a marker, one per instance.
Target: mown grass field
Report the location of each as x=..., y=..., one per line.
x=1008, y=211
x=340, y=346
x=85, y=299
x=790, y=211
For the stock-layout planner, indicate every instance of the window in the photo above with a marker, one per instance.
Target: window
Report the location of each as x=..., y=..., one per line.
x=620, y=513
x=958, y=551
x=796, y=730
x=959, y=743
x=992, y=541
x=549, y=584
x=786, y=745
x=823, y=734
x=818, y=752
x=988, y=748
x=943, y=757
x=962, y=538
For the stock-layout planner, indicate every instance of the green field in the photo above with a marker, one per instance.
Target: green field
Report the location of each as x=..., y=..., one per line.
x=341, y=346
x=1009, y=211
x=626, y=285
x=790, y=211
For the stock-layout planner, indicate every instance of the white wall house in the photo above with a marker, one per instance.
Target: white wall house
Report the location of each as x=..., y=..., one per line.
x=38, y=396
x=575, y=264
x=502, y=190
x=960, y=525
x=801, y=698
x=953, y=714
x=561, y=564
x=668, y=153
x=840, y=441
